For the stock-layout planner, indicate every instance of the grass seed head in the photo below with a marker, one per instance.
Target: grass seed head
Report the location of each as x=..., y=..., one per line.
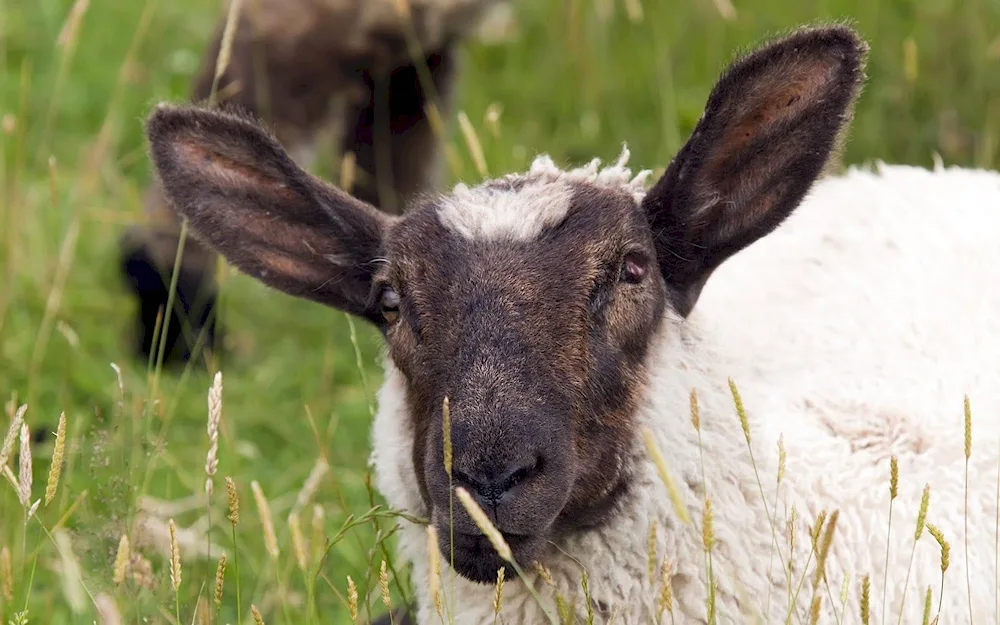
x=352, y=599
x=175, y=557
x=968, y=428
x=383, y=586
x=740, y=410
x=122, y=560
x=24, y=474
x=257, y=618
x=446, y=432
x=866, y=587
x=266, y=523
x=893, y=478
x=943, y=544
x=922, y=515
x=695, y=414
x=55, y=469
x=498, y=595
x=6, y=575
x=220, y=579
x=234, y=501
x=298, y=542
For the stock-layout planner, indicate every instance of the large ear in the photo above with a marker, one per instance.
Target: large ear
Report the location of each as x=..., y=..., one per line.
x=770, y=126
x=244, y=196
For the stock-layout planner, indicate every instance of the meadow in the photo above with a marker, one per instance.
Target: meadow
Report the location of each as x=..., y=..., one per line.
x=574, y=78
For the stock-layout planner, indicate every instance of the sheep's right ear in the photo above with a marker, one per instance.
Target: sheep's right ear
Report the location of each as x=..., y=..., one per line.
x=244, y=196
x=769, y=128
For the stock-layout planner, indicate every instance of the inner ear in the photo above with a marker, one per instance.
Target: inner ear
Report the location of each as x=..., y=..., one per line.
x=770, y=126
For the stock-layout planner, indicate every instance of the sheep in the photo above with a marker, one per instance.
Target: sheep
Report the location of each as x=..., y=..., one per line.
x=311, y=65
x=567, y=314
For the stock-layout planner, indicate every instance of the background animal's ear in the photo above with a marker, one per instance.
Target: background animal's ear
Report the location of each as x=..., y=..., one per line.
x=243, y=196
x=769, y=128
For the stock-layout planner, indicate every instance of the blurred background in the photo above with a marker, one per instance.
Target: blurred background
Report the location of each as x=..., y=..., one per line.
x=574, y=78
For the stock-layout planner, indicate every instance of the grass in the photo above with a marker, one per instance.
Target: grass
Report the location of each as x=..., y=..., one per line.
x=75, y=85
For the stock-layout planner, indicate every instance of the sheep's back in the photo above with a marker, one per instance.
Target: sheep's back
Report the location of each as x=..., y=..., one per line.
x=856, y=330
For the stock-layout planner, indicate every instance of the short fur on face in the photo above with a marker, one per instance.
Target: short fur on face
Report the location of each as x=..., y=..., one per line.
x=529, y=302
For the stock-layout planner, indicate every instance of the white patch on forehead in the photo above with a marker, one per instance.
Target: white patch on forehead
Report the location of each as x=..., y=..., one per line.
x=533, y=201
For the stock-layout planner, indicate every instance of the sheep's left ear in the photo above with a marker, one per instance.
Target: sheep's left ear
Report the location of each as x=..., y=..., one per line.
x=770, y=126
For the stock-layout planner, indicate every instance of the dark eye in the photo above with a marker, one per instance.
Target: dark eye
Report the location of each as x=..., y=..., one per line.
x=389, y=304
x=634, y=267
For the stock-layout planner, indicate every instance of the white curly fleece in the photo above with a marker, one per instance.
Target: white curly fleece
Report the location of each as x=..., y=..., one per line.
x=853, y=331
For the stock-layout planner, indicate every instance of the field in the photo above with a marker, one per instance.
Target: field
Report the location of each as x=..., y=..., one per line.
x=576, y=78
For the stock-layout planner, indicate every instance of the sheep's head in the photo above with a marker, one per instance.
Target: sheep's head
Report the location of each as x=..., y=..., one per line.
x=529, y=301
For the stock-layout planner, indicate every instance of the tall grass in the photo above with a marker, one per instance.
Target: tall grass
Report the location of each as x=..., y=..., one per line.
x=127, y=463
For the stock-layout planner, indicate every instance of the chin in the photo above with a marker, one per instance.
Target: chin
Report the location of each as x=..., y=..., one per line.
x=477, y=561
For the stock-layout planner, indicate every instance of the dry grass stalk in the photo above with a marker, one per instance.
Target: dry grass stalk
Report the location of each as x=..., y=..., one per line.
x=814, y=609
x=298, y=542
x=108, y=610
x=71, y=27
x=220, y=579
x=352, y=599
x=58, y=451
x=234, y=501
x=266, y=523
x=12, y=432
x=6, y=575
x=485, y=526
x=214, y=419
x=472, y=140
x=348, y=171
x=661, y=467
x=311, y=485
x=24, y=468
x=318, y=540
x=228, y=34
x=122, y=560
x=781, y=458
x=726, y=9
x=434, y=557
x=175, y=557
x=257, y=618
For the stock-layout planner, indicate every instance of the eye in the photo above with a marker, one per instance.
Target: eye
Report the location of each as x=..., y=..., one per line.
x=634, y=267
x=389, y=304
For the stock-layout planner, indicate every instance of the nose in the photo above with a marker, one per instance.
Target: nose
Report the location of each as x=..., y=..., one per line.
x=490, y=485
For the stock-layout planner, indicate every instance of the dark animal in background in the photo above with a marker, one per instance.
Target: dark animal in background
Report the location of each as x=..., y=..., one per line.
x=350, y=67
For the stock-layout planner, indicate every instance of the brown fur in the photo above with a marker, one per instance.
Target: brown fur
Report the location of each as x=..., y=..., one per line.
x=540, y=342
x=303, y=66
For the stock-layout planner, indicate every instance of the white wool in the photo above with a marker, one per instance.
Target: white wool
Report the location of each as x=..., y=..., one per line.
x=531, y=202
x=853, y=331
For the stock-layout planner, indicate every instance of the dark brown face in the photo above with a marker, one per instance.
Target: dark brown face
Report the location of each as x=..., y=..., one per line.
x=530, y=302
x=538, y=336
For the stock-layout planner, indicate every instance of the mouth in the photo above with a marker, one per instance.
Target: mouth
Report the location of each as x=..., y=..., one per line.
x=477, y=560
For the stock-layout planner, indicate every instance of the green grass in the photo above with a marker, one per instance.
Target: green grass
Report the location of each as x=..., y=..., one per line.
x=72, y=170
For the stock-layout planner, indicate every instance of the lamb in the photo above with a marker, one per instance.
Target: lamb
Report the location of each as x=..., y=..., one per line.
x=566, y=314
x=312, y=66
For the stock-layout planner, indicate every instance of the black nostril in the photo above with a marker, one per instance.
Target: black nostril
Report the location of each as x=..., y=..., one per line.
x=491, y=487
